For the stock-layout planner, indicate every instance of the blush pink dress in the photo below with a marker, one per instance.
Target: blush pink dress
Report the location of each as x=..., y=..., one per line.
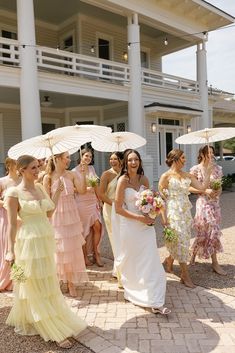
x=88, y=206
x=207, y=218
x=5, y=281
x=68, y=235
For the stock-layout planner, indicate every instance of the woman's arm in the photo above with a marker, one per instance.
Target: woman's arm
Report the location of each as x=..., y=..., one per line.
x=104, y=181
x=80, y=183
x=119, y=201
x=12, y=206
x=163, y=185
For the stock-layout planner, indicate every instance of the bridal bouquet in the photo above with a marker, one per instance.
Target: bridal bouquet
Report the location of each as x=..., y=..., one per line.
x=17, y=274
x=92, y=180
x=150, y=203
x=216, y=184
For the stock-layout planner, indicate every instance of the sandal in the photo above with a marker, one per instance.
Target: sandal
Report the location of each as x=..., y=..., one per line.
x=65, y=344
x=162, y=310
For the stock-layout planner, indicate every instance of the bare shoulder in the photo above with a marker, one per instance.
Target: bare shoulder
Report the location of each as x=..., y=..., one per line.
x=165, y=176
x=144, y=180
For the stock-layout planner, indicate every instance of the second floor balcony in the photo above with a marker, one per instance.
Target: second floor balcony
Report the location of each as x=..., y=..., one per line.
x=79, y=67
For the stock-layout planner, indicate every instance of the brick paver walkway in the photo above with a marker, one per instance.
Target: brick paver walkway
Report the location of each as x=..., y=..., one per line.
x=201, y=321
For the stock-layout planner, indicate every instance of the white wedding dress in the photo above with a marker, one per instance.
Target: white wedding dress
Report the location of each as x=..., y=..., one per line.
x=136, y=254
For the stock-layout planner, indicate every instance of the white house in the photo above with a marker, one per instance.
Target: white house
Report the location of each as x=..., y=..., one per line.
x=99, y=61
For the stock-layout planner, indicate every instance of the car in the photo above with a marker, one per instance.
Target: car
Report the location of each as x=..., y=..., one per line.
x=225, y=158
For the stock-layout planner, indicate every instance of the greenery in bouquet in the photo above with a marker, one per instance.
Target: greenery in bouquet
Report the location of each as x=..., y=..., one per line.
x=92, y=180
x=150, y=203
x=17, y=274
x=170, y=235
x=216, y=184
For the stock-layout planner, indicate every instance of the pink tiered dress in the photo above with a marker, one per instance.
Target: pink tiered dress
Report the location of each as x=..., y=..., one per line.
x=68, y=235
x=5, y=281
x=89, y=210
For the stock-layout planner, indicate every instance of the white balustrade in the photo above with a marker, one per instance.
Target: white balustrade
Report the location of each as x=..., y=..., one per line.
x=163, y=80
x=72, y=64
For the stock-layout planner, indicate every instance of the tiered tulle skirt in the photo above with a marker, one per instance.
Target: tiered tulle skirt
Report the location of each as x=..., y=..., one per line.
x=39, y=306
x=69, y=241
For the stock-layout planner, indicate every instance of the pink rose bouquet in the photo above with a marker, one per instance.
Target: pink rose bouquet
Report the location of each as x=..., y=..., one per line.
x=150, y=203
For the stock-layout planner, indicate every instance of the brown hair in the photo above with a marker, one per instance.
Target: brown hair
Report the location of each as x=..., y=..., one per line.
x=173, y=156
x=118, y=154
x=124, y=171
x=23, y=162
x=203, y=153
x=82, y=152
x=9, y=163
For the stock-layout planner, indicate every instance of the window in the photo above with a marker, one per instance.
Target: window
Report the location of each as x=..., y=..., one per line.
x=168, y=122
x=121, y=126
x=10, y=35
x=47, y=127
x=169, y=142
x=144, y=59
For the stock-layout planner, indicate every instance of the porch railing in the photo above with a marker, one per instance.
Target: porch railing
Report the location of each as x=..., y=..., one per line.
x=160, y=79
x=72, y=64
x=81, y=65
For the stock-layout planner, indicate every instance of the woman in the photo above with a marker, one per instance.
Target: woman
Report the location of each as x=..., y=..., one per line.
x=11, y=179
x=208, y=215
x=142, y=274
x=108, y=184
x=177, y=182
x=39, y=306
x=89, y=210
x=66, y=222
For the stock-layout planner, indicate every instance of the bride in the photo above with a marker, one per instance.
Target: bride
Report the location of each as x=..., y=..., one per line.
x=142, y=275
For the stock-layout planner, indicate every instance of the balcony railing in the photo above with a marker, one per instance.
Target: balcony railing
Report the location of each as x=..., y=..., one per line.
x=160, y=79
x=72, y=64
x=78, y=65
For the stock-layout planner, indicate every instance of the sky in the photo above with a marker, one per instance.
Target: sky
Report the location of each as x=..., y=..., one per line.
x=220, y=55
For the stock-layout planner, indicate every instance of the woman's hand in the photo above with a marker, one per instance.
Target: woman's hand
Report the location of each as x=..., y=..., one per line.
x=10, y=257
x=146, y=220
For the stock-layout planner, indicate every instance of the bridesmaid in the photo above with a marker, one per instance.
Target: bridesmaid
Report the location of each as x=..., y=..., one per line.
x=177, y=182
x=67, y=225
x=11, y=179
x=208, y=214
x=89, y=210
x=108, y=184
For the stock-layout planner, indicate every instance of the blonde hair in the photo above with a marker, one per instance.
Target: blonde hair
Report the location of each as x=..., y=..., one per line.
x=23, y=162
x=9, y=163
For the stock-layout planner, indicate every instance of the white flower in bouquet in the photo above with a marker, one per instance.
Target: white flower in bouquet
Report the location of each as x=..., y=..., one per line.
x=216, y=184
x=92, y=180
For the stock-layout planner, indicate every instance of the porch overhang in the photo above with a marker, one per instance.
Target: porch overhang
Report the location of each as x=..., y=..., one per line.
x=171, y=110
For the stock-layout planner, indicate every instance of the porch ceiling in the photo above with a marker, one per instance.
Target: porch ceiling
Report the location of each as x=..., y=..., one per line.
x=59, y=101
x=175, y=19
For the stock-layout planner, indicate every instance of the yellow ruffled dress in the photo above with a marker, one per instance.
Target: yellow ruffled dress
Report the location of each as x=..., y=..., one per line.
x=39, y=306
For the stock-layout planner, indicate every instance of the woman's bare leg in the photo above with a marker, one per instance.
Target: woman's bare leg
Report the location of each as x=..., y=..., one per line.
x=96, y=240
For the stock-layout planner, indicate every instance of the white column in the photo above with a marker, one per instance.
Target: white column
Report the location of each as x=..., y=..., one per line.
x=205, y=120
x=29, y=93
x=136, y=118
x=135, y=104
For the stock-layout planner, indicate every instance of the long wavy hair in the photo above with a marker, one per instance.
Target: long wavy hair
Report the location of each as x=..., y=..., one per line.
x=124, y=170
x=203, y=153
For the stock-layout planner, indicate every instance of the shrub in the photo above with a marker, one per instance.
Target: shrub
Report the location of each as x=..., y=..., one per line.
x=227, y=182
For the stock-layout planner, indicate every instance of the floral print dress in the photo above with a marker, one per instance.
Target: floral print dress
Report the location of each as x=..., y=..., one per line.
x=179, y=217
x=207, y=218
